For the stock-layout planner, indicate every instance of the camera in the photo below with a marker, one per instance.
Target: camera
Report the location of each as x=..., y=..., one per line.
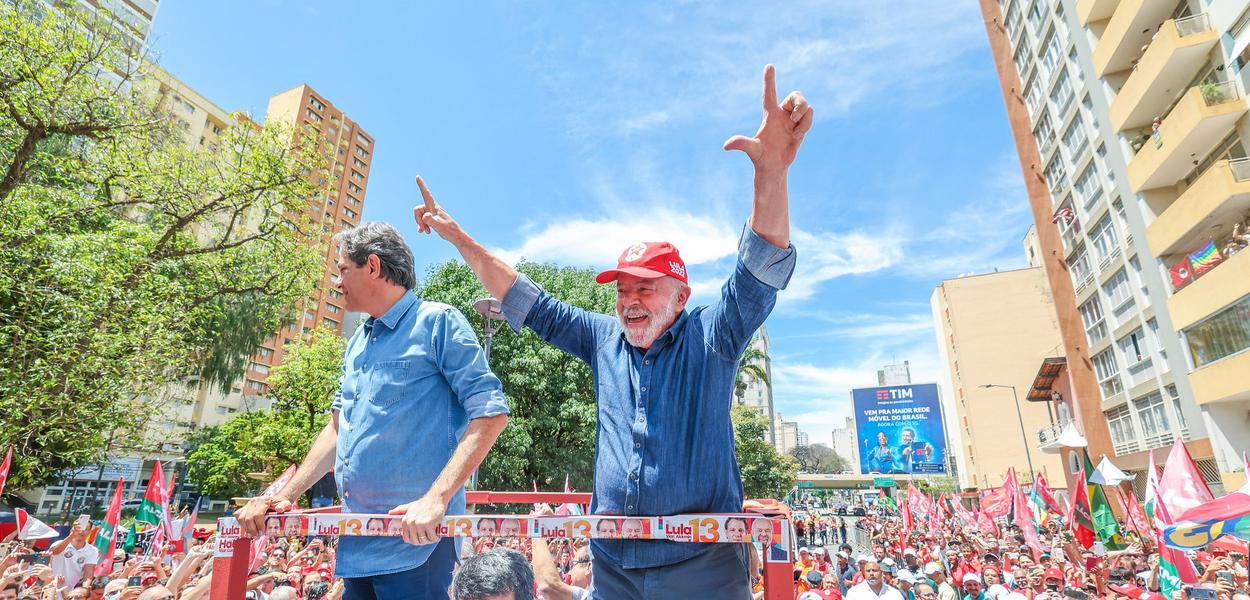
x=134, y=581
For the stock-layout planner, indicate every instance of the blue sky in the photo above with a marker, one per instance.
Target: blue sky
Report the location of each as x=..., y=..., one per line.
x=566, y=132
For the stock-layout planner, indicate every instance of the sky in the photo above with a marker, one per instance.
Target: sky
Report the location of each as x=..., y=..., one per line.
x=569, y=131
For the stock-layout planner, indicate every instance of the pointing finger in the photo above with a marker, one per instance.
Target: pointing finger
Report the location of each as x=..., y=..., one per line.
x=425, y=193
x=770, y=87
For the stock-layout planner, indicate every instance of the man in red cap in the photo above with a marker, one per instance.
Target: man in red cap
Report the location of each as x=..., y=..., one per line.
x=664, y=376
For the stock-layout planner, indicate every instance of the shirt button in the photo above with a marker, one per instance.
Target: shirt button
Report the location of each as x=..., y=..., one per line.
x=630, y=507
x=641, y=418
x=646, y=362
x=364, y=365
x=644, y=388
x=637, y=445
x=633, y=477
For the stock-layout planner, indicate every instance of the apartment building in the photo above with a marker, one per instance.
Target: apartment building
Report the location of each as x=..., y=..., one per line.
x=758, y=394
x=1116, y=107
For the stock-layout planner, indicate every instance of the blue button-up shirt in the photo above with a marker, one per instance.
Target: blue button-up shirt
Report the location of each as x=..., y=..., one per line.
x=664, y=444
x=412, y=380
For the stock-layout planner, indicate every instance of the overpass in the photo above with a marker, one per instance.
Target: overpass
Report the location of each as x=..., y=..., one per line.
x=826, y=481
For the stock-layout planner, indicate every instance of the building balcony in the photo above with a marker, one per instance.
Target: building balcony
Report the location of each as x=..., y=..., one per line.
x=1092, y=11
x=1164, y=70
x=1222, y=285
x=1200, y=119
x=1222, y=381
x=1053, y=438
x=1216, y=199
x=1131, y=26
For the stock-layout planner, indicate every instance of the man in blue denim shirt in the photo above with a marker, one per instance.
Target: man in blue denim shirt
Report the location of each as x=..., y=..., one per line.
x=664, y=376
x=416, y=411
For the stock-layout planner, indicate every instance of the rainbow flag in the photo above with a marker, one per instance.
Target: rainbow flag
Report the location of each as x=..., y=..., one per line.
x=1204, y=258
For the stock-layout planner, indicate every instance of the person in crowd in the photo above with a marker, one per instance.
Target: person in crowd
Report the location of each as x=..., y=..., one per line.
x=407, y=350
x=500, y=574
x=677, y=365
x=874, y=586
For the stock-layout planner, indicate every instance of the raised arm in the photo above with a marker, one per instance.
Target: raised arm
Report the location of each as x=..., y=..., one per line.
x=772, y=150
x=496, y=275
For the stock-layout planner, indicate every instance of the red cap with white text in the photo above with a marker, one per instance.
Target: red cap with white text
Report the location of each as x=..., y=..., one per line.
x=649, y=260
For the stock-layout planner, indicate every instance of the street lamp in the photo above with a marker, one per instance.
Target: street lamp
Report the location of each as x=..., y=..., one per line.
x=1023, y=437
x=492, y=318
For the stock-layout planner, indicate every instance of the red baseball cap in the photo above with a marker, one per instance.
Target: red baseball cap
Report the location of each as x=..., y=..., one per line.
x=1135, y=592
x=1053, y=573
x=649, y=260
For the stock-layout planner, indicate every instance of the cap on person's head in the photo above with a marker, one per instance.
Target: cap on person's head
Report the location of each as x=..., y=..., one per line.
x=149, y=579
x=842, y=554
x=804, y=550
x=887, y=561
x=991, y=556
x=814, y=577
x=649, y=260
x=819, y=552
x=909, y=552
x=863, y=558
x=1053, y=573
x=1134, y=592
x=971, y=577
x=932, y=568
x=905, y=575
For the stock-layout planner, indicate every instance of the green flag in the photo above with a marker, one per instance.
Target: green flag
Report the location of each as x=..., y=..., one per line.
x=1106, y=529
x=154, y=499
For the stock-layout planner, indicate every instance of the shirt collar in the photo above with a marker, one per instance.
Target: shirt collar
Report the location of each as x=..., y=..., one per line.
x=393, y=314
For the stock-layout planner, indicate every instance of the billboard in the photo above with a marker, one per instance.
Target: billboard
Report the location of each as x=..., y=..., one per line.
x=900, y=429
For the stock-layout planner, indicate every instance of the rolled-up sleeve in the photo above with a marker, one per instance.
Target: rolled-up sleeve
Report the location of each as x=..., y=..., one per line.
x=771, y=265
x=519, y=301
x=463, y=363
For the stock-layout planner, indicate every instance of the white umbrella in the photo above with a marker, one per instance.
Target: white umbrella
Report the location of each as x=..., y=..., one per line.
x=1109, y=474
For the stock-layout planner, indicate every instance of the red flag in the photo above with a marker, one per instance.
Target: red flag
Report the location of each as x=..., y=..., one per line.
x=909, y=520
x=1168, y=555
x=996, y=502
x=1080, y=519
x=919, y=505
x=1182, y=487
x=4, y=468
x=963, y=513
x=985, y=523
x=1181, y=273
x=1137, y=520
x=1043, y=489
x=1028, y=523
x=106, y=537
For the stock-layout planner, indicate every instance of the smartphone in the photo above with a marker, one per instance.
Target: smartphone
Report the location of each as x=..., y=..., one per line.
x=1075, y=594
x=1226, y=576
x=134, y=581
x=84, y=521
x=35, y=559
x=1198, y=593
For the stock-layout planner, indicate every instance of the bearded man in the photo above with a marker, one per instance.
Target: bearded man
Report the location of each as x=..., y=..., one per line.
x=664, y=375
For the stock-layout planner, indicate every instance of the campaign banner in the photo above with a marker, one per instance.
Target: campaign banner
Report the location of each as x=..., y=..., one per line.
x=900, y=429
x=681, y=528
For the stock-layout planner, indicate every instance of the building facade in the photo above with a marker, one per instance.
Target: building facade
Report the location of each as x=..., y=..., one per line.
x=846, y=445
x=994, y=330
x=1116, y=108
x=787, y=435
x=898, y=374
x=757, y=394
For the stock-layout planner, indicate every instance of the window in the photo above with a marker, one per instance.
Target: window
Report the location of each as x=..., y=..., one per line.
x=1074, y=138
x=336, y=294
x=1035, y=16
x=352, y=201
x=351, y=214
x=357, y=176
x=331, y=132
x=308, y=316
x=354, y=188
x=1095, y=324
x=217, y=129
x=259, y=368
x=1221, y=335
x=1056, y=177
x=1088, y=188
x=1033, y=97
x=1053, y=53
x=1108, y=372
x=1120, y=421
x=255, y=385
x=360, y=137
x=1118, y=290
x=1078, y=265
x=1153, y=416
x=361, y=152
x=332, y=309
x=1135, y=348
x=264, y=353
x=1153, y=326
x=1176, y=409
x=1102, y=235
x=1062, y=95
x=315, y=103
x=1044, y=132
x=359, y=163
x=328, y=322
x=312, y=116
x=1014, y=22
x=1023, y=55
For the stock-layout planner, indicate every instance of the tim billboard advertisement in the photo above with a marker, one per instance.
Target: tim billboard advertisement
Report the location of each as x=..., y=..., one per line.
x=900, y=429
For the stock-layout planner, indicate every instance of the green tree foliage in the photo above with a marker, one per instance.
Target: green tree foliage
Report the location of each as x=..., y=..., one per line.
x=818, y=458
x=765, y=473
x=268, y=442
x=551, y=432
x=750, y=368
x=128, y=252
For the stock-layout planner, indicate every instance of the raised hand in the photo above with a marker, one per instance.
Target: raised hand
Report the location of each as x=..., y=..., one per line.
x=430, y=216
x=775, y=145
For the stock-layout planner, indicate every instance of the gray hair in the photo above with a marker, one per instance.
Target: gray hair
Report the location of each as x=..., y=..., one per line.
x=384, y=241
x=283, y=593
x=492, y=573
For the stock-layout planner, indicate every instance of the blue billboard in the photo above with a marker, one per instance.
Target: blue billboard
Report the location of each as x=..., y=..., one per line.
x=900, y=429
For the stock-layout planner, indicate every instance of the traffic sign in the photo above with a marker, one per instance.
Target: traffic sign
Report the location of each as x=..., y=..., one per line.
x=807, y=484
x=883, y=481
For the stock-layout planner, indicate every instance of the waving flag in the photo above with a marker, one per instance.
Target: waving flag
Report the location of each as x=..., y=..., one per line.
x=106, y=537
x=986, y=524
x=30, y=528
x=1080, y=520
x=996, y=502
x=1205, y=523
x=1182, y=486
x=4, y=468
x=1106, y=528
x=1175, y=569
x=1042, y=488
x=1135, y=518
x=155, y=501
x=1205, y=258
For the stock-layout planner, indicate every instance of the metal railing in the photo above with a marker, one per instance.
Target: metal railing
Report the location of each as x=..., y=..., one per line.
x=1214, y=93
x=1192, y=25
x=1050, y=433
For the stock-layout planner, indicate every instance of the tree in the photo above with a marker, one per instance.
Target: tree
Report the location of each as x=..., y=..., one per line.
x=269, y=441
x=765, y=473
x=818, y=458
x=750, y=367
x=128, y=252
x=551, y=394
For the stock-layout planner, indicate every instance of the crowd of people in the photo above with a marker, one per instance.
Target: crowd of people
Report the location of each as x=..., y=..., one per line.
x=816, y=529
x=961, y=562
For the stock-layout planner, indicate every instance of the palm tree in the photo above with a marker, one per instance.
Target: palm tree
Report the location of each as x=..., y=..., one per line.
x=750, y=367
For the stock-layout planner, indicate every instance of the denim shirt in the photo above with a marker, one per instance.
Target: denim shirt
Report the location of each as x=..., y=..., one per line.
x=412, y=380
x=664, y=444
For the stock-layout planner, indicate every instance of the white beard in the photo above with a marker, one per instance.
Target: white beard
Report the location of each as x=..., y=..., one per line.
x=656, y=324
